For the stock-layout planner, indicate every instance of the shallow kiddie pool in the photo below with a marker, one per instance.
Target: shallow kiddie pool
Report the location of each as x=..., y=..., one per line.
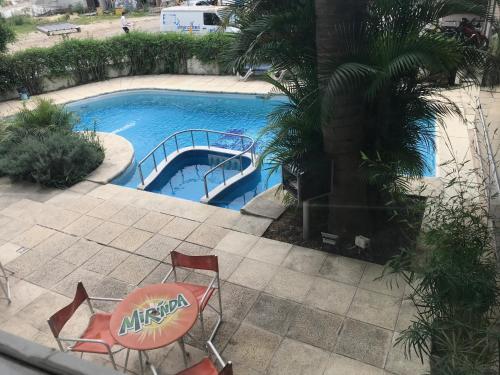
x=147, y=117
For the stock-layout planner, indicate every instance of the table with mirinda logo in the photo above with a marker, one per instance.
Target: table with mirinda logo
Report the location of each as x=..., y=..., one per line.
x=153, y=317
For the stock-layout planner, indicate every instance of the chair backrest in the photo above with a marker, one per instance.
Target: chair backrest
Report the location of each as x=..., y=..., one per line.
x=60, y=318
x=227, y=370
x=199, y=262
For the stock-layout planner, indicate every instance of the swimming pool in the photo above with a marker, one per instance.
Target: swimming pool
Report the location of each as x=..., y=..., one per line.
x=146, y=117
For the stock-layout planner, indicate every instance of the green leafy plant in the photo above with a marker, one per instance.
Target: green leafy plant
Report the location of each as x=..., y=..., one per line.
x=6, y=35
x=453, y=279
x=88, y=60
x=40, y=145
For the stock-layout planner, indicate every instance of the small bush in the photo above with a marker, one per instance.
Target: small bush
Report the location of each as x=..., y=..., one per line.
x=39, y=145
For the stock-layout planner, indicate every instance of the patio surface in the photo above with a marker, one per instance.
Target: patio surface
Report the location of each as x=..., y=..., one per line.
x=288, y=310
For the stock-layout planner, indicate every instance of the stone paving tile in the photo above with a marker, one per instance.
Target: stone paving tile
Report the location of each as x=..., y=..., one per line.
x=223, y=217
x=272, y=314
x=252, y=347
x=105, y=260
x=84, y=187
x=51, y=273
x=55, y=217
x=65, y=198
x=129, y=215
x=28, y=262
x=11, y=228
x=111, y=288
x=179, y=228
x=25, y=210
x=187, y=209
x=173, y=362
x=252, y=225
x=133, y=269
x=269, y=251
x=253, y=274
x=407, y=314
x=106, y=210
x=74, y=201
x=40, y=309
x=315, y=327
x=207, y=235
x=153, y=221
x=331, y=296
x=157, y=275
x=398, y=364
x=304, y=260
x=9, y=252
x=106, y=232
x=237, y=243
x=343, y=269
x=83, y=226
x=375, y=308
x=80, y=252
x=237, y=300
x=290, y=284
x=391, y=285
x=340, y=365
x=90, y=280
x=131, y=239
x=45, y=339
x=227, y=263
x=19, y=327
x=23, y=293
x=56, y=244
x=158, y=247
x=226, y=330
x=33, y=236
x=189, y=248
x=364, y=342
x=305, y=359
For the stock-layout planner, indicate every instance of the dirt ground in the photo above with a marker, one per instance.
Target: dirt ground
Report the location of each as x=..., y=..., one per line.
x=98, y=30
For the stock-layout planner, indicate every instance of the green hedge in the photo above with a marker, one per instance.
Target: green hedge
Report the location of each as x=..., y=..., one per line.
x=86, y=60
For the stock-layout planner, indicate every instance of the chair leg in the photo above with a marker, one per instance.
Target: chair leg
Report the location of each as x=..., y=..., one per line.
x=126, y=360
x=113, y=361
x=202, y=324
x=183, y=349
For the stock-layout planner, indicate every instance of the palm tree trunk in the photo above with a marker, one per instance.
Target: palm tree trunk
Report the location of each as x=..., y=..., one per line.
x=342, y=125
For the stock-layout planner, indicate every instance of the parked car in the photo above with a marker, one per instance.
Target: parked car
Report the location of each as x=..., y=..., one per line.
x=192, y=19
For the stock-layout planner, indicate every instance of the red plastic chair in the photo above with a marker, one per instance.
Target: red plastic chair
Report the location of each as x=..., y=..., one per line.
x=96, y=338
x=207, y=367
x=201, y=292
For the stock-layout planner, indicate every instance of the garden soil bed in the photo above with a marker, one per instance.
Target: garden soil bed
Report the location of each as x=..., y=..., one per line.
x=288, y=228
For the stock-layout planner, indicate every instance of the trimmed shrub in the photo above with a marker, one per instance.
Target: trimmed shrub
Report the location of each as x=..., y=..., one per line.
x=88, y=60
x=40, y=145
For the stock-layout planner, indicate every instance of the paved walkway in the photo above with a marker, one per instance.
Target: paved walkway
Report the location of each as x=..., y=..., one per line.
x=288, y=310
x=205, y=83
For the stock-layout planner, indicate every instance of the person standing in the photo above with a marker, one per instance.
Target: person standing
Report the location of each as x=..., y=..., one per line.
x=124, y=23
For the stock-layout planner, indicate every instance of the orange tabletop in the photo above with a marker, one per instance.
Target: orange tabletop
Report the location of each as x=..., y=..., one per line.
x=154, y=316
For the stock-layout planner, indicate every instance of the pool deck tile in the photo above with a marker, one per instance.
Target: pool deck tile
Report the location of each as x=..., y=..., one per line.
x=288, y=309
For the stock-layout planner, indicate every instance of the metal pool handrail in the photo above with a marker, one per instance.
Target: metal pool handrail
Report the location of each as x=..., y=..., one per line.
x=250, y=149
x=207, y=132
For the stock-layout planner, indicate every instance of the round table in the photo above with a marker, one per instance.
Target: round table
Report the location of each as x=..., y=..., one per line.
x=153, y=317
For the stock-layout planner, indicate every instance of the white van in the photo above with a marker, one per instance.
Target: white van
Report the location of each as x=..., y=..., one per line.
x=192, y=19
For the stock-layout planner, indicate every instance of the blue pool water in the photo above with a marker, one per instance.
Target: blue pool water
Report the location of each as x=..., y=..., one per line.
x=146, y=117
